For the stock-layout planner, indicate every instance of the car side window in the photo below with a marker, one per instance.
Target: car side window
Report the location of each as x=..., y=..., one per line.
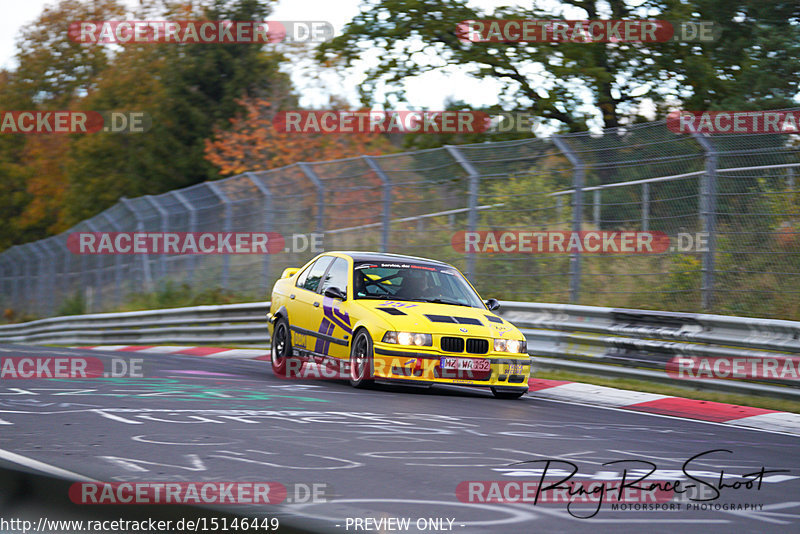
x=301, y=280
x=315, y=272
x=337, y=276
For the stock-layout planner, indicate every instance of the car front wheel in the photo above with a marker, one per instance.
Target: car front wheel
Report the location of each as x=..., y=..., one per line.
x=281, y=347
x=361, y=366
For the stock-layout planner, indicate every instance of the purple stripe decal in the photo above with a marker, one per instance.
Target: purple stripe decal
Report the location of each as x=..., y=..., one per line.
x=336, y=316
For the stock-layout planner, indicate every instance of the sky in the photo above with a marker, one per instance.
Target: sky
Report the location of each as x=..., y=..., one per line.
x=314, y=91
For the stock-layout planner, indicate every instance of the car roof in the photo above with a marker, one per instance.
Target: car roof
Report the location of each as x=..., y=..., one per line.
x=386, y=257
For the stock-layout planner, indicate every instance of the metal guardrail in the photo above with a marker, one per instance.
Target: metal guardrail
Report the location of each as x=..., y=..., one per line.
x=228, y=324
x=637, y=344
x=611, y=341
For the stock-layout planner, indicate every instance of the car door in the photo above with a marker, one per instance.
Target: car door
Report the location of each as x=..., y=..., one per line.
x=336, y=322
x=305, y=310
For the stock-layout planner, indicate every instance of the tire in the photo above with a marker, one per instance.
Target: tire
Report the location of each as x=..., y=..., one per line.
x=361, y=362
x=281, y=349
x=498, y=394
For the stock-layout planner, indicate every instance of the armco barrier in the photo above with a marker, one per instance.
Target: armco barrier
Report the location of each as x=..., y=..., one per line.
x=637, y=344
x=228, y=324
x=612, y=341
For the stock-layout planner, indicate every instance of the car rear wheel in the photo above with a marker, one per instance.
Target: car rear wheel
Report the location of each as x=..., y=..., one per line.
x=281, y=347
x=506, y=394
x=361, y=363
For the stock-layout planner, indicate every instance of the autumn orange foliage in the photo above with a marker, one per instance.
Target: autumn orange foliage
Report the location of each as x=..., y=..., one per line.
x=46, y=156
x=253, y=144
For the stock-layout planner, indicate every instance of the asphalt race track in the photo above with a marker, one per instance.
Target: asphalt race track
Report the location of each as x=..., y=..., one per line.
x=389, y=452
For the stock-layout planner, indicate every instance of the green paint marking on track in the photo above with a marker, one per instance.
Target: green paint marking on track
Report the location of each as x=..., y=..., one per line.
x=173, y=389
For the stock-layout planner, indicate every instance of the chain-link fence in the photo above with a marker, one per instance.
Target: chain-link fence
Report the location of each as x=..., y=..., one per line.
x=730, y=205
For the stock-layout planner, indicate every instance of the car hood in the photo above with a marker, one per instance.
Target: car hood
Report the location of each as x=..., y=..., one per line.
x=442, y=319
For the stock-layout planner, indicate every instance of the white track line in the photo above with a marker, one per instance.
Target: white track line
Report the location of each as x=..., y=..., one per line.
x=41, y=466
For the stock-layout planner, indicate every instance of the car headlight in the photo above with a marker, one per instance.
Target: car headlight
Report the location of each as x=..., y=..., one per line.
x=408, y=338
x=510, y=345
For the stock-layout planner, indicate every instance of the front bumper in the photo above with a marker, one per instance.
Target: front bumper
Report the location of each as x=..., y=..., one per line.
x=505, y=370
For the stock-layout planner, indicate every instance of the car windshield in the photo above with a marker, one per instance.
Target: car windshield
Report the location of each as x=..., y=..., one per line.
x=414, y=282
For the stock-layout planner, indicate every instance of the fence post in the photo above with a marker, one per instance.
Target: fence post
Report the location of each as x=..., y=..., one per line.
x=52, y=251
x=19, y=276
x=708, y=216
x=66, y=276
x=44, y=282
x=148, y=280
x=472, y=200
x=577, y=214
x=311, y=175
x=192, y=228
x=645, y=207
x=268, y=205
x=387, y=201
x=117, y=263
x=52, y=274
x=98, y=278
x=596, y=210
x=6, y=280
x=226, y=205
x=162, y=216
x=16, y=285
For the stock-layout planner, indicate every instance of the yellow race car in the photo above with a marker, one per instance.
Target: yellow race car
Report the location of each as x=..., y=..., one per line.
x=377, y=317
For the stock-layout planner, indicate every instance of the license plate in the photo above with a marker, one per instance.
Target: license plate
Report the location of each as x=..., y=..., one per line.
x=465, y=364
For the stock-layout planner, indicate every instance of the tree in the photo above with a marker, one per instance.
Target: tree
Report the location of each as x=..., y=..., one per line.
x=553, y=80
x=253, y=144
x=188, y=90
x=54, y=70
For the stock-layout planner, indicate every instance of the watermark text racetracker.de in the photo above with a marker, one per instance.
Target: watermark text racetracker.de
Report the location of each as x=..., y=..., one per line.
x=200, y=31
x=149, y=525
x=585, y=242
x=403, y=122
x=73, y=122
x=192, y=243
x=734, y=122
x=62, y=367
x=199, y=492
x=585, y=31
x=760, y=367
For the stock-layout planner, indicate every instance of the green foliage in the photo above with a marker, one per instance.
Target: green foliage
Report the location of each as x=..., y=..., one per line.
x=755, y=63
x=683, y=274
x=73, y=305
x=53, y=70
x=173, y=295
x=187, y=90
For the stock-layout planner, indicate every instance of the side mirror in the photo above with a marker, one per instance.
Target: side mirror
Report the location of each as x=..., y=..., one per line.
x=289, y=271
x=335, y=293
x=492, y=304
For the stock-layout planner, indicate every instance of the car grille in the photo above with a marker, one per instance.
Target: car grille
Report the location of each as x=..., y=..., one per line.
x=477, y=346
x=456, y=344
x=452, y=344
